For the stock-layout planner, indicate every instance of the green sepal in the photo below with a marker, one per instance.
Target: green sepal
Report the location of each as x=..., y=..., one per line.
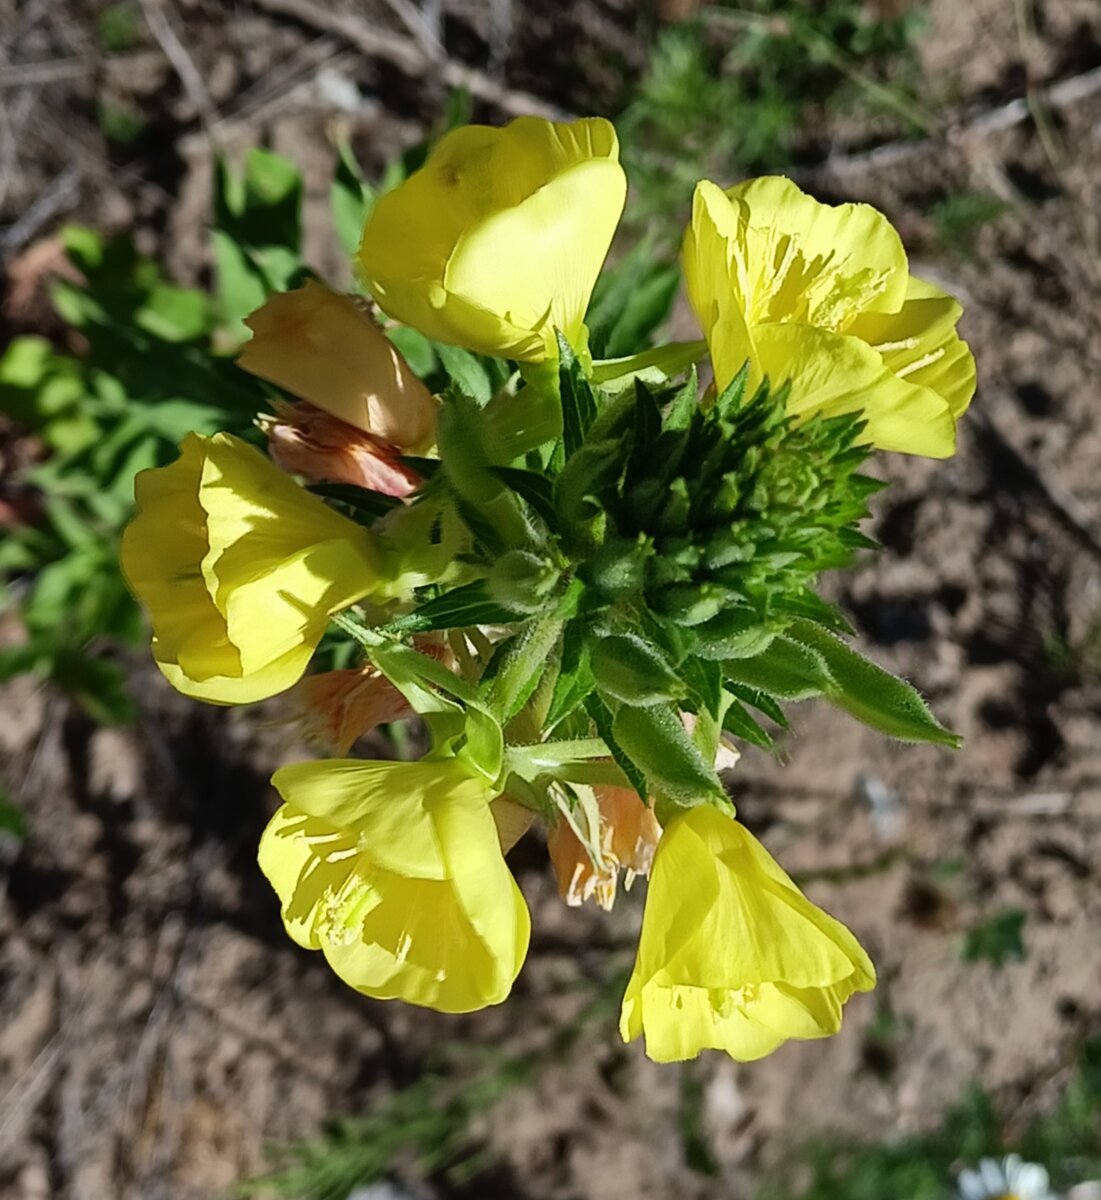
x=459, y=722
x=515, y=669
x=650, y=366
x=633, y=671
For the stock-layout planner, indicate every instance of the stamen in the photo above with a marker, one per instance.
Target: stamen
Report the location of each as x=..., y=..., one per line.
x=918, y=363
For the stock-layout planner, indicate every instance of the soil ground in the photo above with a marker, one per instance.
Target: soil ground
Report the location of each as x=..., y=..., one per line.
x=156, y=1026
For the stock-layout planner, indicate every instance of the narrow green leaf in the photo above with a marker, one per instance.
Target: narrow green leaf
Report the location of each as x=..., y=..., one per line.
x=738, y=723
x=761, y=701
x=534, y=488
x=466, y=372
x=602, y=718
x=868, y=692
x=733, y=395
x=459, y=608
x=578, y=402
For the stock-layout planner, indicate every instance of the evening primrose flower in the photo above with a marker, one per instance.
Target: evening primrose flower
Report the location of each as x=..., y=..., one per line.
x=732, y=956
x=239, y=569
x=395, y=873
x=1005, y=1179
x=498, y=239
x=325, y=348
x=822, y=295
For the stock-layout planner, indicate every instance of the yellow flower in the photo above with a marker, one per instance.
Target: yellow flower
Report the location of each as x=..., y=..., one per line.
x=498, y=239
x=240, y=569
x=732, y=956
x=822, y=295
x=326, y=349
x=395, y=872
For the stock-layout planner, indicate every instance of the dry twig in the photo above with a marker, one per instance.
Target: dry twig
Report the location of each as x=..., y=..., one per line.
x=168, y=40
x=407, y=56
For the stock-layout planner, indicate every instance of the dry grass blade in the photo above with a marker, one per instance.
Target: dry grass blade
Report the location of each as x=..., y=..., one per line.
x=407, y=55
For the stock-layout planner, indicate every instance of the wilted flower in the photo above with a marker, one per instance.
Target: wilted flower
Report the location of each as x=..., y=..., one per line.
x=306, y=441
x=395, y=872
x=340, y=706
x=822, y=295
x=239, y=568
x=498, y=239
x=732, y=956
x=629, y=834
x=326, y=348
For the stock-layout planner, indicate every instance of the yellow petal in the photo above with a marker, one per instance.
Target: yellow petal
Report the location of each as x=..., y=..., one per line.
x=741, y=961
x=325, y=348
x=797, y=259
x=269, y=680
x=714, y=290
x=832, y=374
x=239, y=568
x=395, y=872
x=920, y=344
x=500, y=236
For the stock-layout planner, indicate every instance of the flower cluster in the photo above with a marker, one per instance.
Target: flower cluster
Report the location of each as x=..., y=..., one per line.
x=588, y=584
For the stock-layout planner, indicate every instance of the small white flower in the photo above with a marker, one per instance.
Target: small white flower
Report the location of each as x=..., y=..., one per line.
x=1005, y=1179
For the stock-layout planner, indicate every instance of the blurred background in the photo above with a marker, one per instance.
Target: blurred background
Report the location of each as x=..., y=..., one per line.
x=164, y=163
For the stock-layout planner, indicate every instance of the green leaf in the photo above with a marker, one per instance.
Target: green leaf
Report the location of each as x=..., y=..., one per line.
x=630, y=300
x=658, y=744
x=578, y=402
x=174, y=314
x=870, y=693
x=997, y=939
x=740, y=724
x=759, y=700
x=459, y=608
x=602, y=718
x=241, y=285
x=351, y=200
x=364, y=502
x=466, y=372
x=534, y=488
x=633, y=671
x=417, y=350
x=97, y=685
x=488, y=506
x=12, y=821
x=574, y=681
x=646, y=308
